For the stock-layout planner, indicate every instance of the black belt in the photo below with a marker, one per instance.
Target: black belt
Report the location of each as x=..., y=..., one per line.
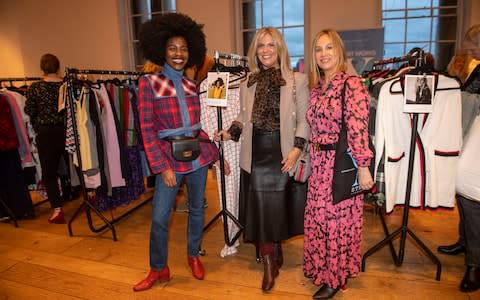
x=323, y=147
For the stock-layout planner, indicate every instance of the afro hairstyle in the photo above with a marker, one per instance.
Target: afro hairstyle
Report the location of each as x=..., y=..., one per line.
x=155, y=33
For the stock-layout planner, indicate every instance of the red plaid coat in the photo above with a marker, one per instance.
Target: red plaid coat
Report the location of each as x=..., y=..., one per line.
x=159, y=110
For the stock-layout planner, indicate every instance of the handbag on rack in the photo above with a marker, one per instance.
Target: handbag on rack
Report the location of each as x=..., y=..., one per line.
x=345, y=183
x=303, y=167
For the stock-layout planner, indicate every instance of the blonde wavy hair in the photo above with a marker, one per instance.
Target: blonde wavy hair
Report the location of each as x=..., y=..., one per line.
x=473, y=35
x=339, y=49
x=282, y=51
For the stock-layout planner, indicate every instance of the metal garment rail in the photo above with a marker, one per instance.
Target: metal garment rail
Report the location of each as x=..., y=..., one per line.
x=404, y=230
x=70, y=75
x=224, y=212
x=12, y=79
x=231, y=56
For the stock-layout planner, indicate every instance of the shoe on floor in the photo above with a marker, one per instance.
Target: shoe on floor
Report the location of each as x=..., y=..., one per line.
x=325, y=292
x=453, y=249
x=161, y=276
x=58, y=217
x=471, y=280
x=198, y=271
x=228, y=250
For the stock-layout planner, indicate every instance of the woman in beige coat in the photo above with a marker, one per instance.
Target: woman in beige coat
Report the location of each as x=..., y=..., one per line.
x=273, y=130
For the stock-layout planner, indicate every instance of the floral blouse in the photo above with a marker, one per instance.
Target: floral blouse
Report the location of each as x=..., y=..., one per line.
x=42, y=104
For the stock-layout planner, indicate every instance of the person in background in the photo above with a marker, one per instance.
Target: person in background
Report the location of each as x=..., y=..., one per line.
x=423, y=92
x=333, y=232
x=218, y=88
x=49, y=125
x=169, y=107
x=274, y=131
x=471, y=50
x=468, y=207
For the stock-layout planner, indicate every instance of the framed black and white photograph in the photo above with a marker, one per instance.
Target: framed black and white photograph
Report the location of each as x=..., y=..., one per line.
x=419, y=93
x=217, y=92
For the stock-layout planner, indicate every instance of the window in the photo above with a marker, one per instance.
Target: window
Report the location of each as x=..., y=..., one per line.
x=285, y=15
x=140, y=12
x=427, y=24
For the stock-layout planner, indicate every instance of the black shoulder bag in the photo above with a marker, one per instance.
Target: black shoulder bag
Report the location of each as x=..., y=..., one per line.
x=186, y=148
x=345, y=170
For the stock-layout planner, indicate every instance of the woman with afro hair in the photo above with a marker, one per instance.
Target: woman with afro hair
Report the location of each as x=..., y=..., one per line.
x=169, y=107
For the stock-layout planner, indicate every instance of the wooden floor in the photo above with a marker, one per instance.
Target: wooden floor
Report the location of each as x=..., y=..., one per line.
x=39, y=260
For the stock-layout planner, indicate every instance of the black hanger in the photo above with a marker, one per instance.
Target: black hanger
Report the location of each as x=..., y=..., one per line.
x=115, y=81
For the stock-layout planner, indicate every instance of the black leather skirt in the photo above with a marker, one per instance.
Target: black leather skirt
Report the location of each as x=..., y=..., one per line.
x=271, y=203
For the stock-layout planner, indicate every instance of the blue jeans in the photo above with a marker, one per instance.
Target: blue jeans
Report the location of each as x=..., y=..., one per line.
x=163, y=199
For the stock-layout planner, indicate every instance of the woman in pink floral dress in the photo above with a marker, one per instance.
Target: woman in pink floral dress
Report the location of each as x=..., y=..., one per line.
x=333, y=232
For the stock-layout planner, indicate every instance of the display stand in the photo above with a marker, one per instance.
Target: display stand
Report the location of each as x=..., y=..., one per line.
x=224, y=212
x=71, y=75
x=404, y=230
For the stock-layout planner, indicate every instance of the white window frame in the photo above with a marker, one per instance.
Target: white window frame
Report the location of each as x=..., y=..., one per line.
x=240, y=41
x=127, y=31
x=434, y=11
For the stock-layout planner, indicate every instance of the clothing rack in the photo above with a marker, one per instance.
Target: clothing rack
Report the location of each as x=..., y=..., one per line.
x=71, y=75
x=230, y=241
x=11, y=80
x=391, y=60
x=24, y=79
x=404, y=230
x=231, y=56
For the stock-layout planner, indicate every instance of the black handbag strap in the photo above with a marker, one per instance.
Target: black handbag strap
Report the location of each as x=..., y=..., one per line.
x=342, y=102
x=183, y=137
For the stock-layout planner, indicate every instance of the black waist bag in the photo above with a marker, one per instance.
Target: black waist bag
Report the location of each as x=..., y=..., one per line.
x=186, y=148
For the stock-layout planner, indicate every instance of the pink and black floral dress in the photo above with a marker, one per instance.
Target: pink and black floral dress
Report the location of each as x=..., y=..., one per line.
x=333, y=232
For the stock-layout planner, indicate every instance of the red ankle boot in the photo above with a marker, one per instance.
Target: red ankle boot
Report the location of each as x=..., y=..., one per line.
x=58, y=219
x=197, y=268
x=162, y=276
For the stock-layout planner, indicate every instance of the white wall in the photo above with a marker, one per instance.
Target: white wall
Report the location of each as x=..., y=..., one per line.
x=82, y=33
x=216, y=15
x=11, y=60
x=86, y=33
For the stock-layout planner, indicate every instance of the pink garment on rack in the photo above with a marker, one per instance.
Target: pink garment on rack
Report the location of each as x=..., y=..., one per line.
x=110, y=139
x=24, y=144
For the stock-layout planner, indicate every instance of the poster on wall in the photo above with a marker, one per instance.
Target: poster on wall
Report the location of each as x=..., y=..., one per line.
x=363, y=48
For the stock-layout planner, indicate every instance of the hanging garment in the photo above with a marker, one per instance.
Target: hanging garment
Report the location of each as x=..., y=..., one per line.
x=111, y=154
x=231, y=149
x=86, y=133
x=24, y=148
x=13, y=189
x=134, y=185
x=468, y=172
x=437, y=147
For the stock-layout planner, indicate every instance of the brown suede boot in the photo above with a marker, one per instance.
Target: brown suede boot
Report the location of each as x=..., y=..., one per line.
x=278, y=254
